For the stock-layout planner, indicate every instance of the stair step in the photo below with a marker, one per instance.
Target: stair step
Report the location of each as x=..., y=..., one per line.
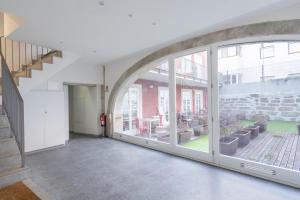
x=10, y=161
x=22, y=73
x=47, y=59
x=55, y=53
x=37, y=65
x=8, y=146
x=4, y=127
x=14, y=175
x=4, y=121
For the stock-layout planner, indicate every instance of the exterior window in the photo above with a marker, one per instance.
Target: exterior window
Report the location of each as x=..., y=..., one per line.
x=267, y=51
x=163, y=103
x=131, y=107
x=198, y=101
x=231, y=79
x=186, y=101
x=294, y=47
x=186, y=65
x=226, y=52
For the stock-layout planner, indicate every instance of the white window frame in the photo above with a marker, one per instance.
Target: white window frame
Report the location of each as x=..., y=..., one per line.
x=201, y=94
x=266, y=47
x=182, y=104
x=235, y=164
x=140, y=104
x=160, y=89
x=289, y=48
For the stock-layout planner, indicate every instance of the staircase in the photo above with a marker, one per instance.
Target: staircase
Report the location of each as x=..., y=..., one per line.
x=11, y=168
x=22, y=58
x=18, y=61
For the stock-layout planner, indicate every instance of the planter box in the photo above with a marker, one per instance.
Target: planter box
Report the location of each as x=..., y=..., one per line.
x=244, y=137
x=262, y=126
x=228, y=145
x=254, y=131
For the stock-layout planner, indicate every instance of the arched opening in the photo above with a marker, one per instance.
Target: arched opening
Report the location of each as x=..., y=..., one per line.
x=177, y=99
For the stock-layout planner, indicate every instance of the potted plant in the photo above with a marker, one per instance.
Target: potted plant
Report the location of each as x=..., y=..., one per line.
x=261, y=121
x=254, y=130
x=244, y=137
x=228, y=144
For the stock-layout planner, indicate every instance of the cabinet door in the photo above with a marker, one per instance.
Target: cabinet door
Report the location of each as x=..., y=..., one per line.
x=34, y=121
x=54, y=119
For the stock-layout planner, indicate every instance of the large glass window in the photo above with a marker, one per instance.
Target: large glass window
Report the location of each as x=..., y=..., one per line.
x=191, y=101
x=143, y=108
x=259, y=117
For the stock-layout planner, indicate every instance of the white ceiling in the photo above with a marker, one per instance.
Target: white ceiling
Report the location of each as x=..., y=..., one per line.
x=104, y=33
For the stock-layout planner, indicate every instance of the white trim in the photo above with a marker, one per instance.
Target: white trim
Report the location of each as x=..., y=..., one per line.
x=159, y=90
x=201, y=93
x=181, y=99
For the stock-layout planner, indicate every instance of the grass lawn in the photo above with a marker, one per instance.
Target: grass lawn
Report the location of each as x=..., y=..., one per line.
x=277, y=127
x=200, y=144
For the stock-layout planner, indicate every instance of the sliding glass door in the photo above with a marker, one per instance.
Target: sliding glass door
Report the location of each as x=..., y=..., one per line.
x=259, y=108
x=193, y=106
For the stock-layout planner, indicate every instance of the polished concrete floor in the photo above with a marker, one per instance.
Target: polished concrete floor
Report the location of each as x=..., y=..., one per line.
x=92, y=168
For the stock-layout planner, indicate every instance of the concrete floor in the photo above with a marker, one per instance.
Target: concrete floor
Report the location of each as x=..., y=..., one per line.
x=92, y=168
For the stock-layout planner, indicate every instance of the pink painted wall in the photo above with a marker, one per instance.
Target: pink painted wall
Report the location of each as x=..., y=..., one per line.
x=150, y=96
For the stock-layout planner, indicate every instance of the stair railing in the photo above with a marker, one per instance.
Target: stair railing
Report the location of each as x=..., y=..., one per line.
x=18, y=55
x=13, y=104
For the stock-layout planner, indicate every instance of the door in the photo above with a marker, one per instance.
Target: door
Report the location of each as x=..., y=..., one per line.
x=131, y=108
x=193, y=135
x=257, y=109
x=163, y=104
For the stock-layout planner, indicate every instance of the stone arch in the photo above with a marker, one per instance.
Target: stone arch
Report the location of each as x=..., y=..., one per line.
x=286, y=27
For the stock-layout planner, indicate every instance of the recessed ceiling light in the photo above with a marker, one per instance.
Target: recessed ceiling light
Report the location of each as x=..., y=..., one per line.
x=154, y=23
x=130, y=15
x=101, y=3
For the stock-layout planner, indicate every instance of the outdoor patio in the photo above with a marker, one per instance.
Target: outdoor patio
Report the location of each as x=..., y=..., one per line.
x=277, y=150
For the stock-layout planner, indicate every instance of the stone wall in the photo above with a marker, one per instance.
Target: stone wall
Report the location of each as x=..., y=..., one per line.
x=277, y=107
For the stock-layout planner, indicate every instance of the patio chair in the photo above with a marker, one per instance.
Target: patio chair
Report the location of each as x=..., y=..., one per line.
x=141, y=126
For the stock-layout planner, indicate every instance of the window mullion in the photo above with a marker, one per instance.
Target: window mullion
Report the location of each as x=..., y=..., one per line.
x=172, y=100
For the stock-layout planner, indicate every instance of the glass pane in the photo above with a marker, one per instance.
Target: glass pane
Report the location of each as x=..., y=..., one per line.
x=144, y=106
x=192, y=101
x=259, y=109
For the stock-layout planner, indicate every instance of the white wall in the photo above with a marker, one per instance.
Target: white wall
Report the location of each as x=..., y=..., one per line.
x=83, y=109
x=52, y=96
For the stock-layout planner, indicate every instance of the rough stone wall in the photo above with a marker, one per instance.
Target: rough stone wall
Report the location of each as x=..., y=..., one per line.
x=277, y=107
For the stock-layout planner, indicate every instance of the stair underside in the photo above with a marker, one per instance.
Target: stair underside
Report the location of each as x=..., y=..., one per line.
x=25, y=71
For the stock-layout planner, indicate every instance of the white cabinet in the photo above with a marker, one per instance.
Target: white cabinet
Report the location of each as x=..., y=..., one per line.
x=44, y=119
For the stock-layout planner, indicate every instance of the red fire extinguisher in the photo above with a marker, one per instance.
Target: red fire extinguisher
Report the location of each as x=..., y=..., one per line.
x=102, y=119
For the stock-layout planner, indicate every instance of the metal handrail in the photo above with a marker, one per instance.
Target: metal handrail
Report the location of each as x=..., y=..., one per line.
x=13, y=104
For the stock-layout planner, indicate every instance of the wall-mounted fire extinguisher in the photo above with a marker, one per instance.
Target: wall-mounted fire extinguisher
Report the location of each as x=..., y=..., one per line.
x=103, y=119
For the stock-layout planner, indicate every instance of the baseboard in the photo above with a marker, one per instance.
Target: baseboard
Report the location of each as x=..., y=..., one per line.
x=45, y=149
x=87, y=135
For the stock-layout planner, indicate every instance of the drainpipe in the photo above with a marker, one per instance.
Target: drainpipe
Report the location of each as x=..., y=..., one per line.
x=103, y=110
